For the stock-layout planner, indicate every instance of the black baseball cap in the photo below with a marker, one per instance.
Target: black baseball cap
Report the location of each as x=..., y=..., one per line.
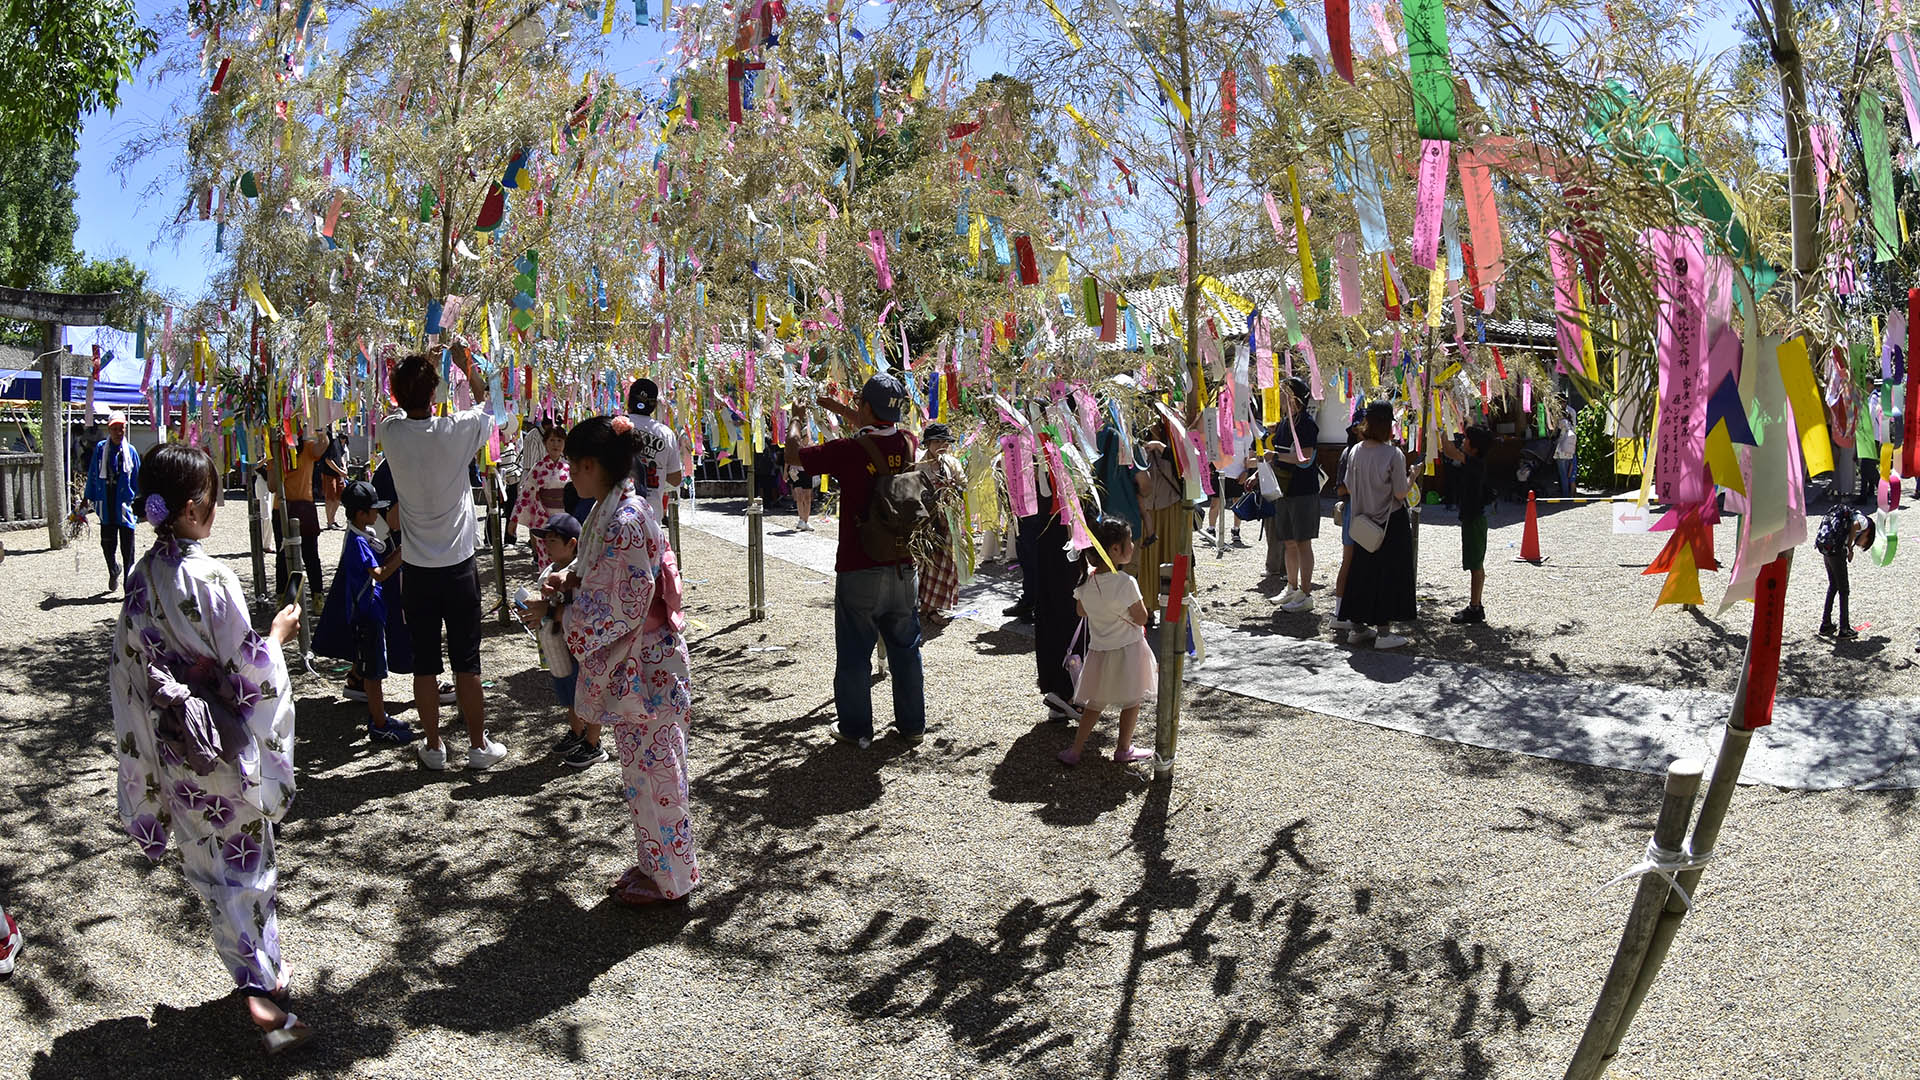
x=937, y=433
x=361, y=495
x=642, y=396
x=563, y=526
x=884, y=394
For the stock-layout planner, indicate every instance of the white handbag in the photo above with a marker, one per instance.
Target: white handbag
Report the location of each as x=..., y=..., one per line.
x=1366, y=533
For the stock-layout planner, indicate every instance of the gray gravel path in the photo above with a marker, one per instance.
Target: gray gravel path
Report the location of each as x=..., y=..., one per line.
x=1307, y=898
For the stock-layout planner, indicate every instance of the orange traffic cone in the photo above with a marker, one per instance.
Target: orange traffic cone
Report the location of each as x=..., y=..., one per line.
x=1530, y=540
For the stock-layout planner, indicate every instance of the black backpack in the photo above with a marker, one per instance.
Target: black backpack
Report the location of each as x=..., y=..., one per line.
x=897, y=509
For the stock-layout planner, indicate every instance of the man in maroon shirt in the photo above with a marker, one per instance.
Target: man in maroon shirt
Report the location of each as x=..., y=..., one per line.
x=873, y=602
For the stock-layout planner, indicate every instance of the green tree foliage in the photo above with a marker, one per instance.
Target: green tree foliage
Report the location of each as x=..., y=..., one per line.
x=36, y=213
x=62, y=59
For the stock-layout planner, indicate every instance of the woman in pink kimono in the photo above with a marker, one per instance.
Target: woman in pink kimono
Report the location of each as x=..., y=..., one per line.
x=203, y=719
x=543, y=491
x=626, y=627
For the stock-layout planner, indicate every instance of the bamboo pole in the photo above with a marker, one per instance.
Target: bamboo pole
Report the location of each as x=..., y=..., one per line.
x=1589, y=1060
x=1735, y=738
x=1172, y=649
x=756, y=544
x=53, y=437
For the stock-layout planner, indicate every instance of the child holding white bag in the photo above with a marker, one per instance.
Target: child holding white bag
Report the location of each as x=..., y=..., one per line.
x=1119, y=669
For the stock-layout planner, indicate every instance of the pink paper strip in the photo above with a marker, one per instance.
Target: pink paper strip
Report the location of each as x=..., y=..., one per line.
x=1483, y=219
x=1526, y=394
x=1565, y=303
x=1906, y=72
x=1347, y=270
x=1273, y=215
x=1680, y=281
x=1200, y=453
x=1313, y=370
x=1430, y=202
x=1389, y=42
x=1065, y=497
x=1263, y=353
x=1016, y=457
x=877, y=251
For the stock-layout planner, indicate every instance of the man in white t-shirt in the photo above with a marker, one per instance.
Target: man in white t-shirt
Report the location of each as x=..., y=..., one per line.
x=657, y=466
x=439, y=584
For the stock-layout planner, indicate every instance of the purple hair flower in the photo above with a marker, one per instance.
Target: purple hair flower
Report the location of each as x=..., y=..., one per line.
x=156, y=510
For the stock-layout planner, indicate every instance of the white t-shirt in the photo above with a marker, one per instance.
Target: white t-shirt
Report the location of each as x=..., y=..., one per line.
x=1107, y=598
x=429, y=459
x=660, y=452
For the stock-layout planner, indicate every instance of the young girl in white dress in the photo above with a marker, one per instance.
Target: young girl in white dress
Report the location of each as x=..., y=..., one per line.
x=1119, y=669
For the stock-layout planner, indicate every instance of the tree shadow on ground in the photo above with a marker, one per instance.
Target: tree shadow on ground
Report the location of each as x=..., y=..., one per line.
x=1031, y=772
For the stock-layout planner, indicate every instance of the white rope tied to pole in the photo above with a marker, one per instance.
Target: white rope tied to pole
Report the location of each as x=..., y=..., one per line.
x=1667, y=864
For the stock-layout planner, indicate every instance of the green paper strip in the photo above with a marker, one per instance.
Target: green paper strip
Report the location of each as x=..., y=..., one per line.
x=1090, y=300
x=1884, y=225
x=1323, y=266
x=1430, y=71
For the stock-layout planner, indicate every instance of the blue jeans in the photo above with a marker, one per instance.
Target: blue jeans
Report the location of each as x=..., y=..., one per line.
x=880, y=605
x=1566, y=475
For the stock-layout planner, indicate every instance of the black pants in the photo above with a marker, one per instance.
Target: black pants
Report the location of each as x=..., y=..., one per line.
x=1836, y=587
x=1056, y=575
x=112, y=535
x=308, y=516
x=506, y=512
x=1026, y=550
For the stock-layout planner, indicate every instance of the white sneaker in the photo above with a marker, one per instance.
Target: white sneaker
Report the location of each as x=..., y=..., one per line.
x=433, y=758
x=1360, y=636
x=1289, y=596
x=486, y=756
x=1391, y=641
x=1338, y=623
x=1303, y=602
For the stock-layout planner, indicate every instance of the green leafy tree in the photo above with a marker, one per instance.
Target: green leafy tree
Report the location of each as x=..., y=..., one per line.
x=62, y=59
x=36, y=213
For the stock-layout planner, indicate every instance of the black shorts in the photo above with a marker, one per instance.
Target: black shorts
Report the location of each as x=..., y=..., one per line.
x=1230, y=488
x=370, y=649
x=433, y=595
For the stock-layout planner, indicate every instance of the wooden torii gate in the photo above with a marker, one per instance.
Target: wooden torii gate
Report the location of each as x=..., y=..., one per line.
x=52, y=310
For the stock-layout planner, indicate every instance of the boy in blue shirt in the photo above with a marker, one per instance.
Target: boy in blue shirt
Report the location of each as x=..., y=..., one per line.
x=355, y=620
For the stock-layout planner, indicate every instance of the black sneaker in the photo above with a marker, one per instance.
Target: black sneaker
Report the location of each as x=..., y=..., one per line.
x=1020, y=612
x=1826, y=629
x=584, y=754
x=1470, y=616
x=1848, y=633
x=567, y=742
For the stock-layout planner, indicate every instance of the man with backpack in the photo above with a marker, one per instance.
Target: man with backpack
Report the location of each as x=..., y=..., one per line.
x=883, y=507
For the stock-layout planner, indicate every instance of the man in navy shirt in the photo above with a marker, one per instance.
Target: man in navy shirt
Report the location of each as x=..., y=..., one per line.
x=1296, y=519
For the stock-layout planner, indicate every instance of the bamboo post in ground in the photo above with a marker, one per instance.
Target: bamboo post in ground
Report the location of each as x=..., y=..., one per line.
x=1735, y=738
x=289, y=549
x=256, y=538
x=1683, y=783
x=1173, y=660
x=673, y=528
x=756, y=551
x=496, y=539
x=53, y=438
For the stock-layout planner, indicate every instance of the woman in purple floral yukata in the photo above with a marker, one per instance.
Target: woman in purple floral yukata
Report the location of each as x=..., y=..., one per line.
x=203, y=717
x=626, y=628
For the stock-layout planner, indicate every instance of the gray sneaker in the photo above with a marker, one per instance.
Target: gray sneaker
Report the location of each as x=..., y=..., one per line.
x=841, y=736
x=583, y=754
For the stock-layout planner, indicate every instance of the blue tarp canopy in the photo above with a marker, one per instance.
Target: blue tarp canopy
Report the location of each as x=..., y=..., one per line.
x=26, y=387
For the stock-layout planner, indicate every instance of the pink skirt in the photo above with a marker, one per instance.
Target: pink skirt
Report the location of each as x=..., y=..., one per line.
x=1122, y=677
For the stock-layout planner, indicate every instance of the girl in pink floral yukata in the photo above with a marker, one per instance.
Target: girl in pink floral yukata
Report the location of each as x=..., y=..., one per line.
x=626, y=628
x=543, y=491
x=203, y=718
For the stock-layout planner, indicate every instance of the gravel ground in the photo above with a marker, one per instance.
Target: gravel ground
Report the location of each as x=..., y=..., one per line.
x=1588, y=611
x=1306, y=898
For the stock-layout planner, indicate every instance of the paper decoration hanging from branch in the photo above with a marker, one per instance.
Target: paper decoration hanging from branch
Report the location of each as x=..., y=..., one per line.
x=1309, y=278
x=1883, y=223
x=1066, y=28
x=1430, y=69
x=1340, y=37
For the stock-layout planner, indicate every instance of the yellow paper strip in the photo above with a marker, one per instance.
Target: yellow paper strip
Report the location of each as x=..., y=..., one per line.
x=260, y=301
x=1809, y=415
x=1309, y=274
x=1085, y=125
x=1066, y=27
